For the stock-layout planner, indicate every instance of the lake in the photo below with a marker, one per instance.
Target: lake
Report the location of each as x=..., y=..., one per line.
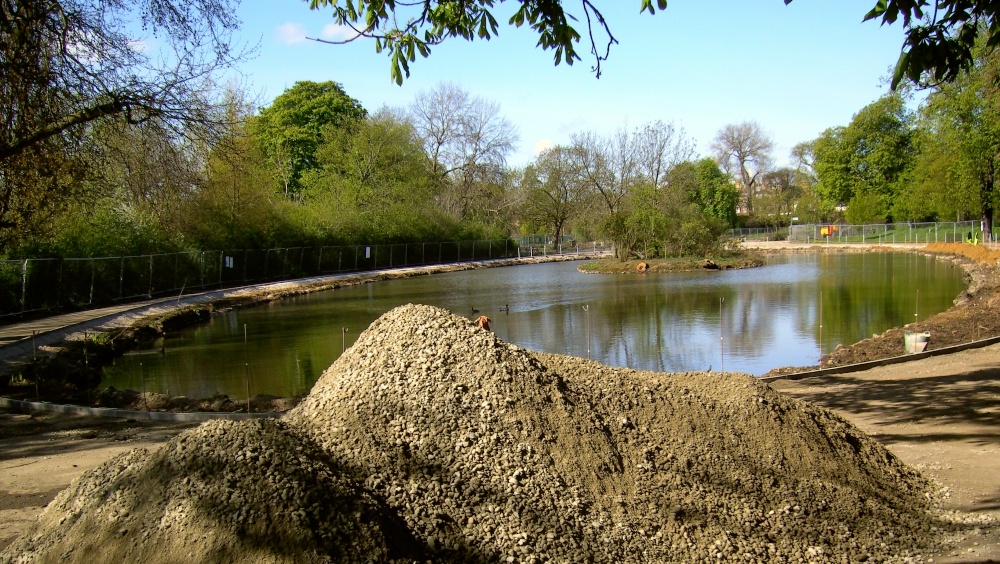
x=786, y=313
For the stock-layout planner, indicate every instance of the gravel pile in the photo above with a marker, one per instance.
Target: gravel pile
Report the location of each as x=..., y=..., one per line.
x=431, y=439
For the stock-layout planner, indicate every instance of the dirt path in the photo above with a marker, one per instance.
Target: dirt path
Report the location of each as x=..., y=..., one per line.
x=941, y=415
x=41, y=454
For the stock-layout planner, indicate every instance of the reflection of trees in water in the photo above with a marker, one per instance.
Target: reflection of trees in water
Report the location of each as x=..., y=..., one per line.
x=666, y=322
x=670, y=324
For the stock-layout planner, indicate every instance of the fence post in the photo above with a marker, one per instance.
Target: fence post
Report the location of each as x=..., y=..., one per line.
x=201, y=268
x=222, y=265
x=93, y=274
x=150, y=293
x=59, y=286
x=24, y=284
x=121, y=277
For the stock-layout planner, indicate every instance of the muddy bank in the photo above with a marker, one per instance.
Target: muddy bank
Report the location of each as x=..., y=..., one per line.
x=431, y=439
x=679, y=264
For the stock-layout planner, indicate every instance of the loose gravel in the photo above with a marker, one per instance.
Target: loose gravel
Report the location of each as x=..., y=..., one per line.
x=433, y=440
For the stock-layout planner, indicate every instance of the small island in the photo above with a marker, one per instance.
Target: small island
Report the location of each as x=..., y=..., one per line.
x=741, y=259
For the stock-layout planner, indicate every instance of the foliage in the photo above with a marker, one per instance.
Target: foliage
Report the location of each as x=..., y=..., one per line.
x=553, y=192
x=865, y=208
x=964, y=119
x=868, y=157
x=292, y=127
x=66, y=65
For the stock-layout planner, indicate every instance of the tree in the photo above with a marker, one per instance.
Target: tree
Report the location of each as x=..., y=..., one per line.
x=868, y=157
x=702, y=184
x=938, y=43
x=660, y=147
x=68, y=64
x=290, y=129
x=965, y=116
x=467, y=141
x=744, y=152
x=553, y=191
x=373, y=175
x=235, y=206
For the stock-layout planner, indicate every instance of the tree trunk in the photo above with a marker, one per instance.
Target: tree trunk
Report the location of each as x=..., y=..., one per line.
x=986, y=196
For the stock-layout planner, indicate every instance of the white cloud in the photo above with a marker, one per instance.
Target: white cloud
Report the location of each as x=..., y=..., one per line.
x=543, y=145
x=290, y=33
x=336, y=32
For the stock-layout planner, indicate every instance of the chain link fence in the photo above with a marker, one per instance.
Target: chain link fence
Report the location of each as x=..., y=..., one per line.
x=883, y=233
x=32, y=285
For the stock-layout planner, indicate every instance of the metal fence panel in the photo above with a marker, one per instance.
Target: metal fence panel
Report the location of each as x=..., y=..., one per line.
x=40, y=284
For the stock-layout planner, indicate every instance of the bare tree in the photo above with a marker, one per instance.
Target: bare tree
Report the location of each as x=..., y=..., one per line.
x=467, y=140
x=744, y=152
x=661, y=147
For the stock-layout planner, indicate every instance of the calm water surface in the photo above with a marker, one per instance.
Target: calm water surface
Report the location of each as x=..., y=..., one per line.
x=787, y=313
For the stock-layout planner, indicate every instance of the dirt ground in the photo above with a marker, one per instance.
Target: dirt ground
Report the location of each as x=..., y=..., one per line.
x=41, y=453
x=941, y=415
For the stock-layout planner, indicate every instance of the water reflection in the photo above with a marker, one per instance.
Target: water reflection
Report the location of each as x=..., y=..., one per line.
x=786, y=313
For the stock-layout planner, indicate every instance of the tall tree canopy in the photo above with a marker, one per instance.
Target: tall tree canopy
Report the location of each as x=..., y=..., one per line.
x=292, y=127
x=863, y=164
x=937, y=46
x=965, y=118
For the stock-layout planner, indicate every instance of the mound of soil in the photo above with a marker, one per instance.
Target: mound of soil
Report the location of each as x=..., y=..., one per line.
x=432, y=439
x=249, y=491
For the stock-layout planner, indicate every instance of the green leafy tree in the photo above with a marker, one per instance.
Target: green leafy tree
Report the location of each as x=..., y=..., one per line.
x=291, y=128
x=373, y=178
x=964, y=116
x=553, y=192
x=717, y=195
x=868, y=157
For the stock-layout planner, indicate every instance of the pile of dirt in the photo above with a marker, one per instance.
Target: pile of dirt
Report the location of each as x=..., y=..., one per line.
x=432, y=439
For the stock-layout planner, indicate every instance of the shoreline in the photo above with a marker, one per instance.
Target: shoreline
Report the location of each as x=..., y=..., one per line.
x=146, y=321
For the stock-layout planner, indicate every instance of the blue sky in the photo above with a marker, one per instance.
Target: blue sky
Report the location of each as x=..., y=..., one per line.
x=795, y=69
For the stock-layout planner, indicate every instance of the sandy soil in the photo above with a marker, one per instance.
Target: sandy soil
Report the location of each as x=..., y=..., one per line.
x=940, y=415
x=40, y=454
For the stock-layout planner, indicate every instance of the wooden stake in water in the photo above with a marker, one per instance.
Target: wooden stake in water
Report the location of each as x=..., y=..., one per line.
x=586, y=308
x=343, y=340
x=246, y=364
x=916, y=313
x=821, y=324
x=722, y=347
